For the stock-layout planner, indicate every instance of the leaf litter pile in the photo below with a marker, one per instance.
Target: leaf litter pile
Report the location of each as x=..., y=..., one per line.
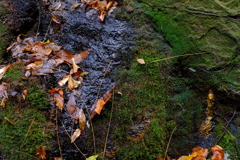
x=44, y=58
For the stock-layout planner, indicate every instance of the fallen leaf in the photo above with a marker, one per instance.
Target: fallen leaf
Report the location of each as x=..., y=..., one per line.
x=198, y=153
x=64, y=80
x=141, y=61
x=57, y=94
x=41, y=152
x=82, y=120
x=75, y=66
x=4, y=70
x=81, y=56
x=92, y=157
x=24, y=94
x=3, y=102
x=71, y=104
x=8, y=120
x=75, y=135
x=99, y=104
x=217, y=152
x=72, y=84
x=58, y=158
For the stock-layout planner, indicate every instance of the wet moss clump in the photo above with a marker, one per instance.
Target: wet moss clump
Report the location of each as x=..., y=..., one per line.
x=24, y=123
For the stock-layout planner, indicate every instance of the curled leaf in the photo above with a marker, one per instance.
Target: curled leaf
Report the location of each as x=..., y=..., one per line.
x=217, y=152
x=4, y=70
x=24, y=94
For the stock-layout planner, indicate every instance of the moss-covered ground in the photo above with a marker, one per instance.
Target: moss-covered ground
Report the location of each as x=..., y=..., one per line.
x=29, y=127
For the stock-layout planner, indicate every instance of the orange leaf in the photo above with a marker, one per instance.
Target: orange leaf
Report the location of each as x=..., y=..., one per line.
x=81, y=56
x=24, y=94
x=75, y=135
x=99, y=106
x=217, y=152
x=41, y=152
x=57, y=94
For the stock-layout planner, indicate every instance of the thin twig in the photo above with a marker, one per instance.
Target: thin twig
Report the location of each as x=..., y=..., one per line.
x=73, y=142
x=39, y=19
x=59, y=144
x=109, y=124
x=25, y=154
x=103, y=78
x=94, y=141
x=225, y=129
x=178, y=56
x=26, y=134
x=47, y=30
x=165, y=155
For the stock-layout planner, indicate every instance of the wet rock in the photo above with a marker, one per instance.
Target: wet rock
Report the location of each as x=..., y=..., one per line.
x=22, y=14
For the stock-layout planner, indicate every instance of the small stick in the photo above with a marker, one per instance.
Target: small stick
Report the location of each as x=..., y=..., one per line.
x=178, y=56
x=59, y=144
x=110, y=120
x=225, y=129
x=73, y=142
x=94, y=141
x=47, y=30
x=25, y=154
x=103, y=78
x=169, y=141
x=26, y=134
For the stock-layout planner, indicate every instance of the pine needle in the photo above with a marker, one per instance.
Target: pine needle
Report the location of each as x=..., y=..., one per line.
x=109, y=124
x=191, y=54
x=169, y=141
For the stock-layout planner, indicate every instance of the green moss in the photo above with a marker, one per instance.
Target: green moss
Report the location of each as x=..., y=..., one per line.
x=145, y=91
x=30, y=126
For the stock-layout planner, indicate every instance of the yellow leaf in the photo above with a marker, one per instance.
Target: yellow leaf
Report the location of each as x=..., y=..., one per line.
x=4, y=70
x=75, y=66
x=92, y=157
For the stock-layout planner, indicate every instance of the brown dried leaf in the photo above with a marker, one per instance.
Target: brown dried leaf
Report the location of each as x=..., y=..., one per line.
x=71, y=104
x=8, y=120
x=65, y=55
x=73, y=83
x=81, y=56
x=41, y=152
x=58, y=158
x=75, y=135
x=3, y=102
x=82, y=120
x=99, y=106
x=57, y=94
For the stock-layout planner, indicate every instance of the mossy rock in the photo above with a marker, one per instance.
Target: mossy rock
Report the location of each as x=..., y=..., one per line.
x=207, y=27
